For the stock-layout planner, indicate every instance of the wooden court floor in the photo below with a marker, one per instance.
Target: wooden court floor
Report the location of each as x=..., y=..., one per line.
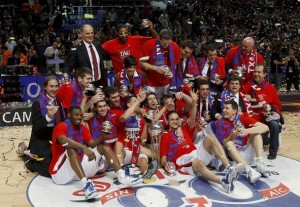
x=15, y=179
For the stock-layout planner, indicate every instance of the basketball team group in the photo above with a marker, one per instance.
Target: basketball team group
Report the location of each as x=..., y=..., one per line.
x=165, y=109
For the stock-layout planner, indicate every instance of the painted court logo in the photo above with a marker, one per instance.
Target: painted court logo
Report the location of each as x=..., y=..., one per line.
x=282, y=189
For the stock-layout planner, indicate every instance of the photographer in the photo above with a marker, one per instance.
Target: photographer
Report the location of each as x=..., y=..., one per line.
x=291, y=63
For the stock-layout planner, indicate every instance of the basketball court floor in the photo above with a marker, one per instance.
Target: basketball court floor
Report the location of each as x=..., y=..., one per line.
x=20, y=188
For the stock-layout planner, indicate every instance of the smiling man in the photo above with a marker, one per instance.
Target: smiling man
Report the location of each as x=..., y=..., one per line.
x=130, y=77
x=243, y=59
x=241, y=137
x=125, y=45
x=261, y=93
x=77, y=156
x=178, y=152
x=87, y=54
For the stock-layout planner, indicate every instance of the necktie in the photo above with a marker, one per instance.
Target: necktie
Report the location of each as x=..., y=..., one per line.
x=57, y=114
x=209, y=69
x=203, y=108
x=95, y=64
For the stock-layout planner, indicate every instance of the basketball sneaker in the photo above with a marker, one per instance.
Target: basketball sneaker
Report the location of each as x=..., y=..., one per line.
x=126, y=180
x=89, y=190
x=22, y=147
x=231, y=176
x=152, y=168
x=262, y=168
x=252, y=175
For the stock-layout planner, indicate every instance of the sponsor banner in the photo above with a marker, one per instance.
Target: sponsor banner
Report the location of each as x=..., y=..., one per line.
x=33, y=85
x=15, y=116
x=182, y=190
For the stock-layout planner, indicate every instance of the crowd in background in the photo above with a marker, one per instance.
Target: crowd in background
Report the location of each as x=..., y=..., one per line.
x=31, y=27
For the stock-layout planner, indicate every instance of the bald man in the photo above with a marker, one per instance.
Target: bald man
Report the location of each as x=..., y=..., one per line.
x=243, y=59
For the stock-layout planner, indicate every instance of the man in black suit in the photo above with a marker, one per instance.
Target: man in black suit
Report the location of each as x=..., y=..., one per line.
x=233, y=92
x=208, y=103
x=44, y=117
x=87, y=54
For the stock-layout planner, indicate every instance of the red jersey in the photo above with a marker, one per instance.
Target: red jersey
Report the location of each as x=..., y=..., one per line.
x=227, y=126
x=118, y=50
x=185, y=143
x=234, y=58
x=95, y=125
x=57, y=148
x=156, y=79
x=261, y=96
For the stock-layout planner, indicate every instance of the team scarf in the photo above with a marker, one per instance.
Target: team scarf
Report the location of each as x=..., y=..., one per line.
x=77, y=94
x=43, y=99
x=191, y=71
x=227, y=95
x=133, y=127
x=97, y=126
x=214, y=67
x=256, y=92
x=136, y=84
x=172, y=146
x=238, y=60
x=75, y=133
x=223, y=128
x=159, y=60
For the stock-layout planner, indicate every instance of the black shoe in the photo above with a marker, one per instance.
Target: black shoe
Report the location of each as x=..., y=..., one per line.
x=272, y=156
x=152, y=168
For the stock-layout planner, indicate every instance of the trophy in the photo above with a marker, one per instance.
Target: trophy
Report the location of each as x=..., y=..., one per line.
x=166, y=70
x=50, y=104
x=185, y=81
x=144, y=23
x=240, y=71
x=65, y=79
x=202, y=122
x=107, y=127
x=90, y=90
x=216, y=78
x=124, y=90
x=240, y=126
x=267, y=109
x=172, y=171
x=149, y=116
x=99, y=91
x=155, y=130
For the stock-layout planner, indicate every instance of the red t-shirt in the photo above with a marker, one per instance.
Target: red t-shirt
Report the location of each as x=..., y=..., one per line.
x=119, y=50
x=154, y=78
x=185, y=144
x=57, y=149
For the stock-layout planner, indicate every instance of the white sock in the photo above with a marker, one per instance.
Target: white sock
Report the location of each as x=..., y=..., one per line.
x=83, y=181
x=228, y=166
x=247, y=167
x=259, y=159
x=120, y=172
